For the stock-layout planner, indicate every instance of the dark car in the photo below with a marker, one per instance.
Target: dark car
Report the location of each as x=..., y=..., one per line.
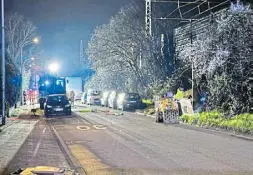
x=57, y=104
x=129, y=101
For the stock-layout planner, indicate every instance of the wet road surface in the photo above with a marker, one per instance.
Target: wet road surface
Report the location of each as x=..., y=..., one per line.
x=102, y=143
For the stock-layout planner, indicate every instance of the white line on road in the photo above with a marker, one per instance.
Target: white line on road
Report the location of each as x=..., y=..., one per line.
x=99, y=126
x=83, y=128
x=44, y=130
x=37, y=148
x=38, y=144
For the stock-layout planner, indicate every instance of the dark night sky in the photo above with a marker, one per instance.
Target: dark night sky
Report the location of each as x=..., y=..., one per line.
x=63, y=23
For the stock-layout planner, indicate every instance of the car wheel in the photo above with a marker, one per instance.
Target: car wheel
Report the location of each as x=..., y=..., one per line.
x=69, y=113
x=46, y=115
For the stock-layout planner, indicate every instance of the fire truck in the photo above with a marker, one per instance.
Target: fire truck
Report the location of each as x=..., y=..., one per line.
x=50, y=84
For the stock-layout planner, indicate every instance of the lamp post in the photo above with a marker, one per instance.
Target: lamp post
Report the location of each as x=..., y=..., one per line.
x=3, y=65
x=34, y=41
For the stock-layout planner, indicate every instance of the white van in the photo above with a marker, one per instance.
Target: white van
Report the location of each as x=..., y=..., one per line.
x=93, y=97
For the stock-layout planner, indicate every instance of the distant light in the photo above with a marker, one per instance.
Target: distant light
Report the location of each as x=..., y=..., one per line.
x=53, y=67
x=32, y=58
x=36, y=40
x=47, y=82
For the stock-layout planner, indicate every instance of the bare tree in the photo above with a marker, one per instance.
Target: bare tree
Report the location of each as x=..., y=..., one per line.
x=122, y=46
x=19, y=33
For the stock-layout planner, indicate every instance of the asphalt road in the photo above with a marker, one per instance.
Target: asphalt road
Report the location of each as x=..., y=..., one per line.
x=101, y=143
x=133, y=144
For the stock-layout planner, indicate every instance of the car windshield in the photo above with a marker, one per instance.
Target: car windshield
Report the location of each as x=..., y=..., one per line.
x=56, y=100
x=132, y=97
x=94, y=93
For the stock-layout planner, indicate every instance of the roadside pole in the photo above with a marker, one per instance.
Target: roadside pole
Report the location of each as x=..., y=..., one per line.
x=3, y=65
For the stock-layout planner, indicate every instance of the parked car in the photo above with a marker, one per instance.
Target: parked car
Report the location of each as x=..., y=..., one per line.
x=129, y=101
x=112, y=100
x=104, y=98
x=78, y=96
x=93, y=97
x=84, y=98
x=57, y=104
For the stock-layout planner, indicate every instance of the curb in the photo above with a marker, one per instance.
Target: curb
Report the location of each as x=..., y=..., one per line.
x=221, y=132
x=224, y=132
x=242, y=137
x=146, y=115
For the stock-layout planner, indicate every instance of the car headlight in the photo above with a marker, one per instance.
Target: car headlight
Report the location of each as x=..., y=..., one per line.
x=68, y=105
x=48, y=106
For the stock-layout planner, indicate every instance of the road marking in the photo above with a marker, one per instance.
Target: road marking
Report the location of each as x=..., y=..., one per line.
x=38, y=144
x=44, y=130
x=89, y=162
x=99, y=126
x=83, y=128
x=37, y=148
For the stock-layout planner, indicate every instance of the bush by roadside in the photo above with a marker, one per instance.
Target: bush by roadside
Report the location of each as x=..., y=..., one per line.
x=150, y=110
x=147, y=102
x=242, y=123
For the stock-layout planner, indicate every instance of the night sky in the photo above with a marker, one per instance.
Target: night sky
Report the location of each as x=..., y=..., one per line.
x=63, y=23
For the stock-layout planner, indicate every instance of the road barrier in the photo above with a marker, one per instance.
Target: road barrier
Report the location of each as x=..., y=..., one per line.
x=170, y=116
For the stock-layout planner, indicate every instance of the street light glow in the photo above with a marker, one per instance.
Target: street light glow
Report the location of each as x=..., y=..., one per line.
x=32, y=58
x=36, y=40
x=53, y=67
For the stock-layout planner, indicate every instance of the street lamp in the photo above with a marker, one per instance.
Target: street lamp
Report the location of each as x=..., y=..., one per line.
x=36, y=40
x=3, y=65
x=53, y=67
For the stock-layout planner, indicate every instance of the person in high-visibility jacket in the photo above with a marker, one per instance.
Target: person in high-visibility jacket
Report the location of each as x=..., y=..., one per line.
x=179, y=95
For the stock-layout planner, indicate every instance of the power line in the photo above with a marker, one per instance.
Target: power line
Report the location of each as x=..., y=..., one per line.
x=182, y=9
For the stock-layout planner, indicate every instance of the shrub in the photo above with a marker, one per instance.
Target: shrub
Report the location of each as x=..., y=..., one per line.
x=147, y=101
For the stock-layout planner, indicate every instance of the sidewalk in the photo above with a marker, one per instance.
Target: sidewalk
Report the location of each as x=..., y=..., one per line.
x=14, y=134
x=12, y=138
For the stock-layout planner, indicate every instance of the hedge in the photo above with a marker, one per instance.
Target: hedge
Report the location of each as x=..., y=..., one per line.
x=241, y=123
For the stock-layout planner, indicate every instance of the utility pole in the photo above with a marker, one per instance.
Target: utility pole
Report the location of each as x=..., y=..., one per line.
x=148, y=18
x=3, y=66
x=81, y=53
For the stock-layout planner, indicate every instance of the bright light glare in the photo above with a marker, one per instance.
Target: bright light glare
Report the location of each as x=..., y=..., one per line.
x=105, y=94
x=122, y=96
x=36, y=40
x=32, y=58
x=53, y=67
x=47, y=82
